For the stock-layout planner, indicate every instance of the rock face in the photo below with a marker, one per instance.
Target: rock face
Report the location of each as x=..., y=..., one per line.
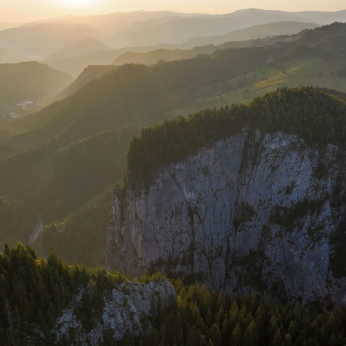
x=254, y=212
x=130, y=308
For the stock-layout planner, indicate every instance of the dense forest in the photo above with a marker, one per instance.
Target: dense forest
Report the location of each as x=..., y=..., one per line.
x=307, y=112
x=35, y=291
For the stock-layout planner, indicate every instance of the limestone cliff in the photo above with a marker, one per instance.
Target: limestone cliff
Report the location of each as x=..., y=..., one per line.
x=253, y=212
x=130, y=308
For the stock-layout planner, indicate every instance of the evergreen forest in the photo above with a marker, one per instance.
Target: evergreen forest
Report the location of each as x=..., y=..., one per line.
x=35, y=291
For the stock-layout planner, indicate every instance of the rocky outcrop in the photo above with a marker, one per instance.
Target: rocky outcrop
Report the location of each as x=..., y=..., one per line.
x=254, y=212
x=129, y=308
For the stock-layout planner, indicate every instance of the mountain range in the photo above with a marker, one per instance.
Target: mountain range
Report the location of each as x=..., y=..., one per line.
x=75, y=65
x=209, y=44
x=143, y=28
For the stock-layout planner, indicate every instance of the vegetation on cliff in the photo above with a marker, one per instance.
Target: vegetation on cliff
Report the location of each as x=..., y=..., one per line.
x=35, y=291
x=203, y=317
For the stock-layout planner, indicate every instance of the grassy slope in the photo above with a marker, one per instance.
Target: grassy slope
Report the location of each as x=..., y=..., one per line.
x=313, y=71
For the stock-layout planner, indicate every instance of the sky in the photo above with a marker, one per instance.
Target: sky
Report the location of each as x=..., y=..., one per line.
x=31, y=10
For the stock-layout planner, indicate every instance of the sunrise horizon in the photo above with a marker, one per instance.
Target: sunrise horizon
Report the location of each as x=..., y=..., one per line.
x=57, y=9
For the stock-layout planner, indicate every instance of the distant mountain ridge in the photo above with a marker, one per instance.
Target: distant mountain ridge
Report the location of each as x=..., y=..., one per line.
x=75, y=65
x=208, y=44
x=180, y=30
x=8, y=25
x=257, y=31
x=120, y=30
x=44, y=39
x=86, y=46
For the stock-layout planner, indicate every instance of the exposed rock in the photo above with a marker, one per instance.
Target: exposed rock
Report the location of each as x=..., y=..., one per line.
x=130, y=308
x=251, y=213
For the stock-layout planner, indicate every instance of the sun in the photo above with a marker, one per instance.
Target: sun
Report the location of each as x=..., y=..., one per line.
x=78, y=2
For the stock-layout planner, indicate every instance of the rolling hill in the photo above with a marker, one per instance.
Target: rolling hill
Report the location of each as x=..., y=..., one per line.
x=180, y=30
x=257, y=31
x=11, y=56
x=75, y=65
x=86, y=46
x=207, y=45
x=43, y=39
x=109, y=24
x=27, y=86
x=164, y=55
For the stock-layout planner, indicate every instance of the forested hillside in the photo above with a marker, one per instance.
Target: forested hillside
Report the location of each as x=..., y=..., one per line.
x=35, y=292
x=17, y=221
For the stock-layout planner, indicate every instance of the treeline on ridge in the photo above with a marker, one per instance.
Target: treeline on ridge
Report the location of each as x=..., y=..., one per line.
x=307, y=112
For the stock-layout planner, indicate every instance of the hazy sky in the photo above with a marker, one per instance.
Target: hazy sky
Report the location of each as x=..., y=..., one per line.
x=29, y=10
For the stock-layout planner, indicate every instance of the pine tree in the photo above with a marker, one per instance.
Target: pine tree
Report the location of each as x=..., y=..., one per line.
x=288, y=340
x=215, y=335
x=237, y=336
x=277, y=340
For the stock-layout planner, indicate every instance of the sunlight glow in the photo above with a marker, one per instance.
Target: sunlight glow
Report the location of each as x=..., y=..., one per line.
x=78, y=2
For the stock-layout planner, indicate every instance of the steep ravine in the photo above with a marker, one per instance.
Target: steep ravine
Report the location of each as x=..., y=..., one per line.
x=254, y=212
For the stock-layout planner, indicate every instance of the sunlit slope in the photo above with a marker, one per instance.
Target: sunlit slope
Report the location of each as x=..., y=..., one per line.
x=312, y=71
